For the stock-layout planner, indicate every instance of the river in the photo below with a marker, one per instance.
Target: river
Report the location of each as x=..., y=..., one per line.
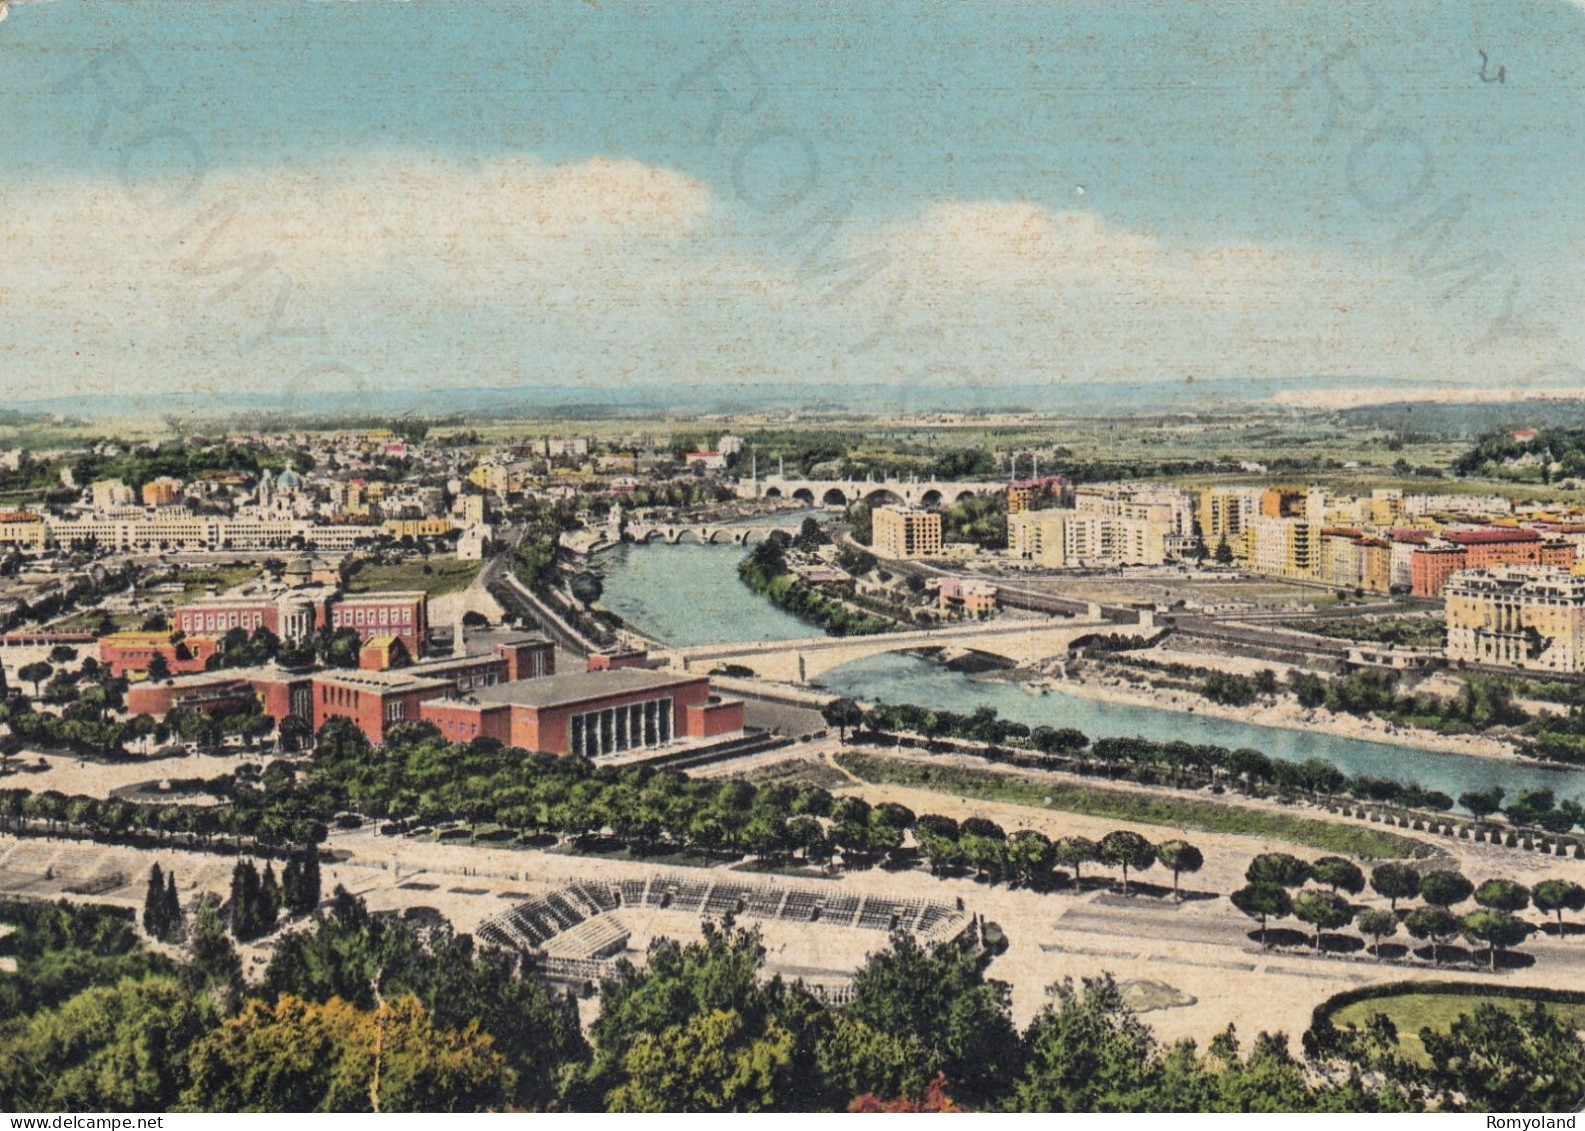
x=690, y=594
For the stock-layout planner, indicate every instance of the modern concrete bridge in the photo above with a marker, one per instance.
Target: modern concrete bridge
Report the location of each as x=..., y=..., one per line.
x=798, y=661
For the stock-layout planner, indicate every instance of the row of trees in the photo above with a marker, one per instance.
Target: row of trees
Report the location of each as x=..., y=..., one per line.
x=1272, y=892
x=1030, y=858
x=1186, y=763
x=1182, y=763
x=259, y=823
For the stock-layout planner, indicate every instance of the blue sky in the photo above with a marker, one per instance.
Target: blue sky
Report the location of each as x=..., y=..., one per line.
x=371, y=193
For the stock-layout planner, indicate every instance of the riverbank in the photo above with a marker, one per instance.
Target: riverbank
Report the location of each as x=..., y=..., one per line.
x=1284, y=714
x=688, y=595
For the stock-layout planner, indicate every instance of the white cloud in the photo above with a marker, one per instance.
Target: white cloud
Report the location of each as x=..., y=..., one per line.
x=611, y=270
x=1000, y=244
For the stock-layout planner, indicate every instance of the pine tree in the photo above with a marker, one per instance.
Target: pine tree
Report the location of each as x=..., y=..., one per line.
x=172, y=907
x=269, y=905
x=310, y=895
x=154, y=917
x=292, y=885
x=244, y=900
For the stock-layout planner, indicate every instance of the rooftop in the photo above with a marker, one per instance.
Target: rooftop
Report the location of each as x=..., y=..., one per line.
x=1486, y=537
x=402, y=679
x=578, y=687
x=262, y=673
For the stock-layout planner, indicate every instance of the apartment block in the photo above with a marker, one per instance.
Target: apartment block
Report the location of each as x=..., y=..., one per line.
x=905, y=532
x=1518, y=617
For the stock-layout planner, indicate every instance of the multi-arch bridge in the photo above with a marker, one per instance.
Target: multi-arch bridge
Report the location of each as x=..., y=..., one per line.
x=841, y=492
x=673, y=533
x=1022, y=642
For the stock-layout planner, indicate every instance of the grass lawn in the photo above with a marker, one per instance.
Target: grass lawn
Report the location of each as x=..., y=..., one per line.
x=88, y=619
x=436, y=577
x=195, y=582
x=1412, y=1012
x=1413, y=632
x=1096, y=801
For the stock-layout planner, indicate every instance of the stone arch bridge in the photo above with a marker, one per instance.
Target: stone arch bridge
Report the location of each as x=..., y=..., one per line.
x=673, y=533
x=797, y=661
x=841, y=492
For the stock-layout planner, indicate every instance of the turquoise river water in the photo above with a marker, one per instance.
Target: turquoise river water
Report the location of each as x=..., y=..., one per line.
x=690, y=594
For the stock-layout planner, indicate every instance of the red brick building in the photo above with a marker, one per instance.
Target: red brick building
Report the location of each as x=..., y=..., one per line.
x=593, y=713
x=1483, y=549
x=296, y=613
x=590, y=713
x=131, y=653
x=607, y=661
x=373, y=701
x=290, y=616
x=277, y=691
x=403, y=615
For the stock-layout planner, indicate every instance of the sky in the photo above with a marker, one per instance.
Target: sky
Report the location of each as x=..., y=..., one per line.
x=293, y=196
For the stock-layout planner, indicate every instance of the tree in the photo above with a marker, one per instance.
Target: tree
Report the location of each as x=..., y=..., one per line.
x=159, y=667
x=586, y=587
x=1180, y=856
x=255, y=900
x=154, y=908
x=1376, y=924
x=1224, y=552
x=1394, y=882
x=1503, y=895
x=1482, y=803
x=295, y=733
x=1445, y=888
x=939, y=1000
x=1337, y=873
x=1277, y=868
x=1031, y=855
x=214, y=961
x=1497, y=929
x=1125, y=849
x=338, y=647
x=1324, y=910
x=1058, y=740
x=269, y=898
x=1436, y=924
x=842, y=713
x=1088, y=1052
x=303, y=1056
x=1494, y=1059
x=121, y=1047
x=810, y=537
x=1263, y=901
x=711, y=1063
x=346, y=953
x=1557, y=896
x=171, y=910
x=1074, y=852
x=309, y=886
x=35, y=673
